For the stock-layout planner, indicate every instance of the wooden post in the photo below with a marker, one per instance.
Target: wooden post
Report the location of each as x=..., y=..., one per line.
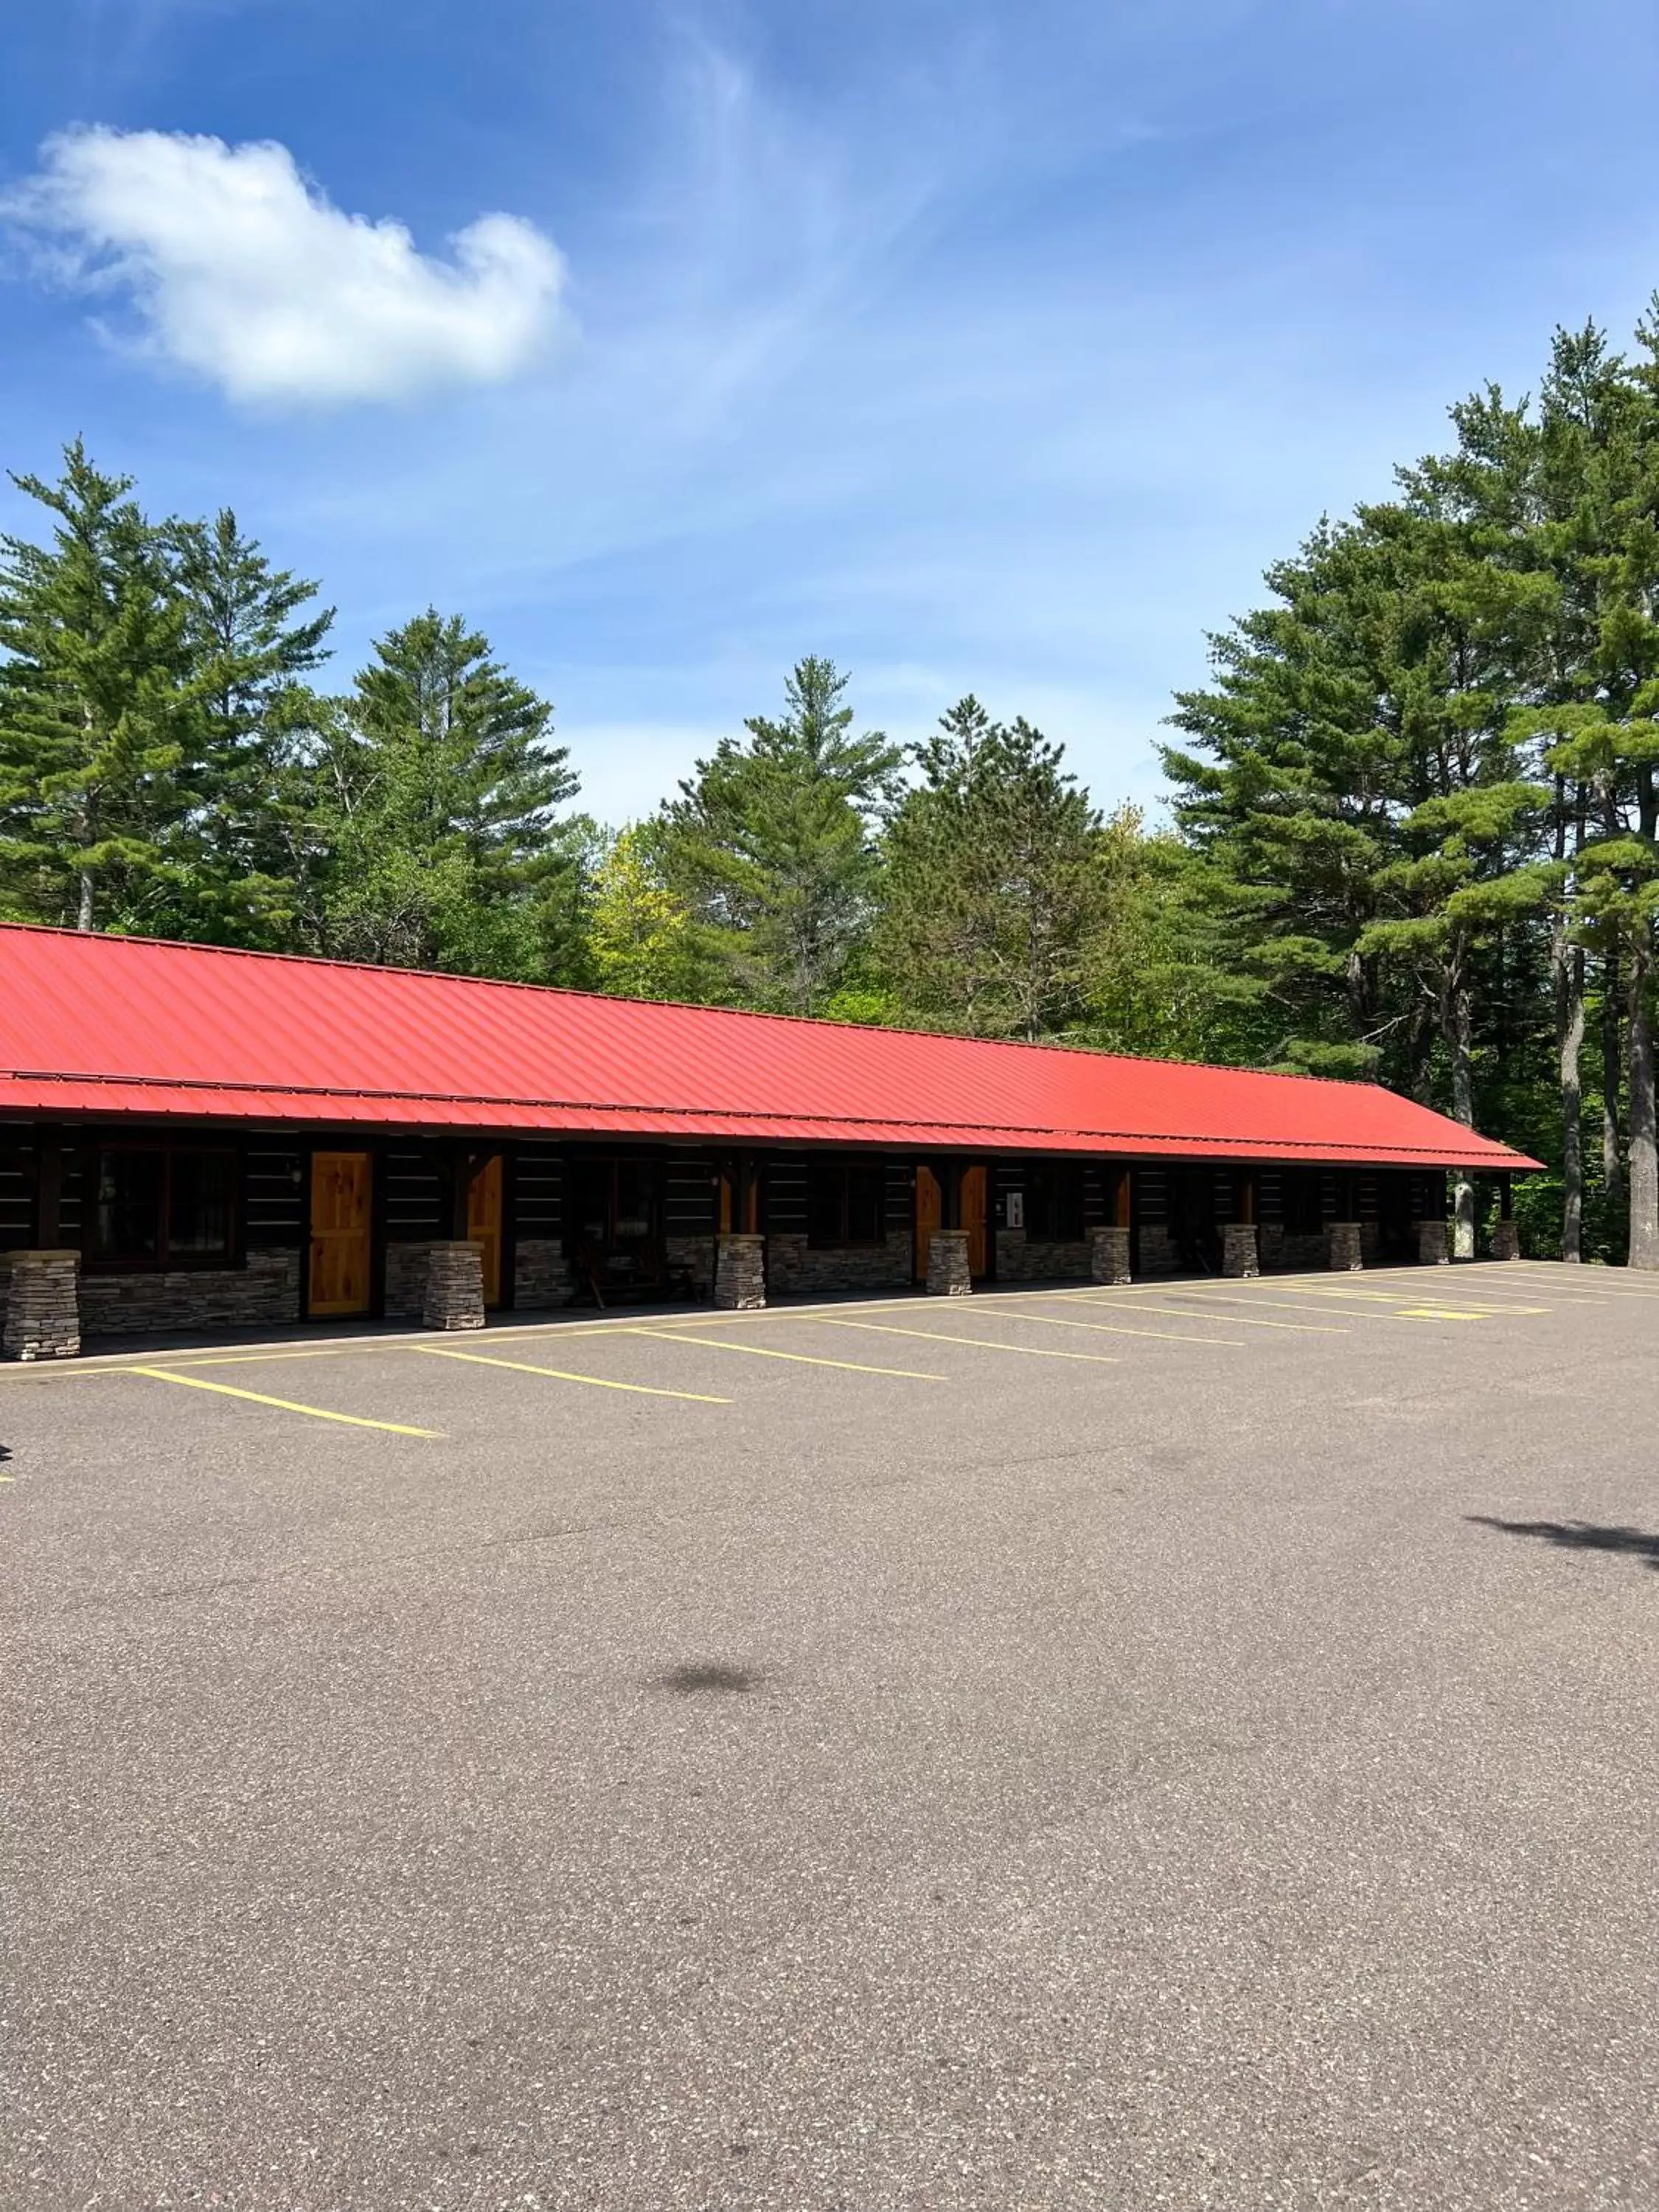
x=950, y=1194
x=1245, y=1189
x=745, y=1210
x=460, y=1191
x=49, y=1187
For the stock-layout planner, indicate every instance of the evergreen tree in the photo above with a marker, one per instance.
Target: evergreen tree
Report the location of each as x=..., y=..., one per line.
x=436, y=792
x=992, y=882
x=100, y=723
x=253, y=645
x=770, y=844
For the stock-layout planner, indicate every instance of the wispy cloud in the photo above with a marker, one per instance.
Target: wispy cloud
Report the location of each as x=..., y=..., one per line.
x=238, y=269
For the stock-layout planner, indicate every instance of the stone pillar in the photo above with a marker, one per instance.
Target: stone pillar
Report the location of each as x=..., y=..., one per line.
x=1238, y=1252
x=740, y=1273
x=947, y=1264
x=1505, y=1241
x=1342, y=1249
x=1431, y=1246
x=454, y=1286
x=1109, y=1255
x=43, y=1311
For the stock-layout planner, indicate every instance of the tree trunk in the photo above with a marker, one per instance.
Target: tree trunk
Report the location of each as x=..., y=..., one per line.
x=1458, y=1024
x=1643, y=1153
x=83, y=917
x=1573, y=1119
x=1567, y=967
x=1612, y=1172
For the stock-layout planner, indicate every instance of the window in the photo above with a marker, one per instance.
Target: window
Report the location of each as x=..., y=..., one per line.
x=1302, y=1207
x=844, y=1202
x=614, y=1205
x=157, y=1207
x=1054, y=1201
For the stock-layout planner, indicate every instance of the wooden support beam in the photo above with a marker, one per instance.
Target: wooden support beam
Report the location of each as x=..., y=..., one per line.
x=49, y=1187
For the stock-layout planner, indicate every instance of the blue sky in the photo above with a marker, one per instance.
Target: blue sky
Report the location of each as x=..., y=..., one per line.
x=980, y=345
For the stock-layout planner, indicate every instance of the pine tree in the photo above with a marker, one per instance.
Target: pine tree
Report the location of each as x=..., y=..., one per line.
x=100, y=724
x=252, y=647
x=992, y=882
x=770, y=844
x=435, y=798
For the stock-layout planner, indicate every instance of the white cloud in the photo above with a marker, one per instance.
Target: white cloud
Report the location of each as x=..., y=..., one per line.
x=241, y=270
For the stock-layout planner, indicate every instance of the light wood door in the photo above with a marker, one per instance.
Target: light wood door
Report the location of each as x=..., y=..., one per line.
x=930, y=1216
x=484, y=1223
x=974, y=1186
x=341, y=1189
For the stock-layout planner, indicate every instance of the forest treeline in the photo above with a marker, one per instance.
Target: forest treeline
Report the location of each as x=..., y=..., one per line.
x=1412, y=833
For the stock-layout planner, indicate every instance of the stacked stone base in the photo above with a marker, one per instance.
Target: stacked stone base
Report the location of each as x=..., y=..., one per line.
x=541, y=1274
x=263, y=1292
x=43, y=1312
x=795, y=1268
x=454, y=1287
x=1505, y=1241
x=1238, y=1250
x=1344, y=1247
x=1022, y=1259
x=740, y=1273
x=948, y=1273
x=1432, y=1250
x=1108, y=1255
x=1159, y=1253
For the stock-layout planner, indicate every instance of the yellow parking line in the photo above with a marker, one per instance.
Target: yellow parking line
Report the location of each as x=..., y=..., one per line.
x=1183, y=1313
x=765, y=1352
x=1423, y=1296
x=561, y=1375
x=286, y=1405
x=1315, y=1302
x=1115, y=1328
x=981, y=1343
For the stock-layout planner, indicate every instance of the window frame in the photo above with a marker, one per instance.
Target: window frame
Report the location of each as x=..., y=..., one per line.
x=605, y=1170
x=164, y=1260
x=1301, y=1200
x=841, y=1166
x=1048, y=1203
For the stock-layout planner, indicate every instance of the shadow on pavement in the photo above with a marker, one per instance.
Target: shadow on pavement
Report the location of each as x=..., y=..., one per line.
x=1579, y=1535
x=709, y=1675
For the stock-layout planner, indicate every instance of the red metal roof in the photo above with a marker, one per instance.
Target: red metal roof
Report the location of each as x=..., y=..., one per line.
x=106, y=1025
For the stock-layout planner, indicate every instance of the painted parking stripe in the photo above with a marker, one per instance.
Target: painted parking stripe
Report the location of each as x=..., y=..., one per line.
x=285, y=1405
x=1315, y=1301
x=981, y=1343
x=766, y=1352
x=561, y=1375
x=1466, y=1307
x=1185, y=1313
x=1119, y=1329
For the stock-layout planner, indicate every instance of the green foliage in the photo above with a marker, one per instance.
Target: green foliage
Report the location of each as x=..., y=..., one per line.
x=771, y=845
x=436, y=794
x=990, y=883
x=641, y=940
x=99, y=719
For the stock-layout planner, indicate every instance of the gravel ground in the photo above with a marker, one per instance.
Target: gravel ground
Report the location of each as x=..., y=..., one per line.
x=1214, y=1768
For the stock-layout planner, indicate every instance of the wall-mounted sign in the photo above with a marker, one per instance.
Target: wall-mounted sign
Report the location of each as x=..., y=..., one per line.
x=1015, y=1203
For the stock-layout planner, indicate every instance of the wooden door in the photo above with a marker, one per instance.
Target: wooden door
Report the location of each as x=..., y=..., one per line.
x=930, y=1216
x=342, y=1185
x=974, y=1184
x=484, y=1223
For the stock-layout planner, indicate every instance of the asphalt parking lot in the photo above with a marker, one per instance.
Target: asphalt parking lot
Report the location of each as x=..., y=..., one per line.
x=1189, y=1745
